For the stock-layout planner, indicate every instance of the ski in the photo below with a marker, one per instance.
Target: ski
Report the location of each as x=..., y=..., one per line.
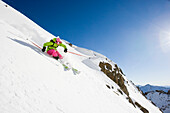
x=75, y=71
x=66, y=67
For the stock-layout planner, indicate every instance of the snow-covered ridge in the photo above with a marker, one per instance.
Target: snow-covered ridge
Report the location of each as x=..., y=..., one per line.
x=149, y=87
x=159, y=95
x=162, y=100
x=31, y=81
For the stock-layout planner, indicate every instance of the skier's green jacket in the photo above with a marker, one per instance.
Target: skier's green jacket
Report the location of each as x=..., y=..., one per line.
x=53, y=44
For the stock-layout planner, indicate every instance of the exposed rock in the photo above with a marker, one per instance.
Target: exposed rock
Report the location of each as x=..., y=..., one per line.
x=121, y=71
x=115, y=75
x=70, y=44
x=168, y=92
x=120, y=91
x=108, y=86
x=163, y=92
x=130, y=101
x=141, y=107
x=141, y=92
x=108, y=66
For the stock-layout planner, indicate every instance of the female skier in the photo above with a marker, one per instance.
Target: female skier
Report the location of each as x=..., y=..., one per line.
x=52, y=48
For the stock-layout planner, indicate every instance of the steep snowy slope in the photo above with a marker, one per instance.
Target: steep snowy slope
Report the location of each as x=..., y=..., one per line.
x=159, y=95
x=160, y=99
x=31, y=82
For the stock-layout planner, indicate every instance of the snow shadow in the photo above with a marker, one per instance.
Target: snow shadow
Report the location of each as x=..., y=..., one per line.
x=32, y=47
x=90, y=64
x=27, y=45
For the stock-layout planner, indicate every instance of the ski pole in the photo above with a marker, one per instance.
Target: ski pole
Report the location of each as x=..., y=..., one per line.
x=67, y=51
x=74, y=53
x=78, y=54
x=35, y=44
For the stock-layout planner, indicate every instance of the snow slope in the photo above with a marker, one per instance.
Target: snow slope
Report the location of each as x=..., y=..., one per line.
x=161, y=100
x=31, y=82
x=159, y=95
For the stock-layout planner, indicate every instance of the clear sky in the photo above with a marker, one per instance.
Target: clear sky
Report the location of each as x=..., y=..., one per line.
x=135, y=34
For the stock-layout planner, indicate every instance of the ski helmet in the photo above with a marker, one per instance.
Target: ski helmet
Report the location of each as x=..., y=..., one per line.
x=57, y=40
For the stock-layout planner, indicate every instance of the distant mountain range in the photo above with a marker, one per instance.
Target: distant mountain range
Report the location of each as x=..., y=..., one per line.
x=149, y=87
x=159, y=95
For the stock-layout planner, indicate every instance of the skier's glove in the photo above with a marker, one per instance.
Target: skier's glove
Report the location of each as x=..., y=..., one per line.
x=65, y=50
x=43, y=49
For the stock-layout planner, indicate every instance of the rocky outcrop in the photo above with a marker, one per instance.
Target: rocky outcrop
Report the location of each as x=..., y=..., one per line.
x=141, y=107
x=130, y=101
x=163, y=92
x=116, y=75
x=168, y=92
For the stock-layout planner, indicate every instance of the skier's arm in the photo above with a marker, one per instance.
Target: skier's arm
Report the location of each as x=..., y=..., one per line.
x=62, y=45
x=48, y=44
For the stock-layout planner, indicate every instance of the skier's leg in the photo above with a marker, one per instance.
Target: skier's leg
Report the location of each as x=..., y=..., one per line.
x=58, y=54
x=53, y=53
x=50, y=52
x=65, y=61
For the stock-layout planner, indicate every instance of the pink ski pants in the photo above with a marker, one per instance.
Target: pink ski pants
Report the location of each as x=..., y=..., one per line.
x=54, y=53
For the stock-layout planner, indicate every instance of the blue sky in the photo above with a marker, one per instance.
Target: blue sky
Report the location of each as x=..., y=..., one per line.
x=135, y=34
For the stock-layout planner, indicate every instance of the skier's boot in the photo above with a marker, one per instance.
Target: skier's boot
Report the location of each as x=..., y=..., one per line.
x=56, y=57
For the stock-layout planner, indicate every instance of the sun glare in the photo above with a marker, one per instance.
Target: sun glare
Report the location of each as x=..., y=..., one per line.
x=165, y=41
